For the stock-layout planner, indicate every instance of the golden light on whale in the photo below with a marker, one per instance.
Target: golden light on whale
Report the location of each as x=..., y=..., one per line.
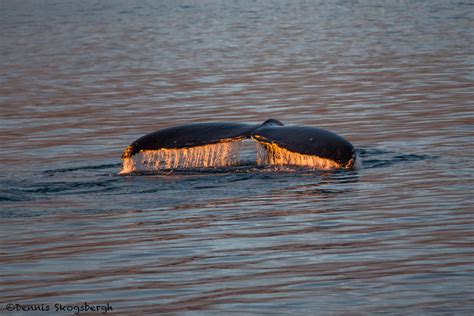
x=206, y=145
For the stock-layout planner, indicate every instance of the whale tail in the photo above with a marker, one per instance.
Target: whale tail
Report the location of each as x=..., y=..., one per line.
x=209, y=144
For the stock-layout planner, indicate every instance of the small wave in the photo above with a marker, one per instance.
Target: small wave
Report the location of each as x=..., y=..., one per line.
x=413, y=157
x=367, y=152
x=13, y=197
x=237, y=169
x=382, y=158
x=66, y=186
x=11, y=191
x=80, y=168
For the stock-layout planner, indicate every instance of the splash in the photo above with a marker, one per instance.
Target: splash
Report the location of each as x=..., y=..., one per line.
x=214, y=155
x=271, y=154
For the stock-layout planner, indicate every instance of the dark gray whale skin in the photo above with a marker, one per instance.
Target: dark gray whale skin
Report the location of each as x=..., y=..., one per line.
x=308, y=141
x=299, y=139
x=190, y=135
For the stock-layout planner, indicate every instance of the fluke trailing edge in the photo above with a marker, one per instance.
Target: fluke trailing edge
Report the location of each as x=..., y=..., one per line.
x=209, y=144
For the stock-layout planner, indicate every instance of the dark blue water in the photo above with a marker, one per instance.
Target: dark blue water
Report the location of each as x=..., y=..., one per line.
x=80, y=80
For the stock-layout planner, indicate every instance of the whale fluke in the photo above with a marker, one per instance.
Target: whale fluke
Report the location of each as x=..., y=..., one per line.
x=209, y=144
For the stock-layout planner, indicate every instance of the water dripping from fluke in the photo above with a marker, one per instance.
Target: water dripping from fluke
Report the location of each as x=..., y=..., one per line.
x=222, y=157
x=274, y=155
x=208, y=156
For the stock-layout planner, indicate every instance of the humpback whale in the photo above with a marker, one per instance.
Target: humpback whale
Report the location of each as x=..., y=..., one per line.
x=209, y=144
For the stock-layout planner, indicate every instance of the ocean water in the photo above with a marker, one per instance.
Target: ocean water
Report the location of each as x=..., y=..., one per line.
x=80, y=80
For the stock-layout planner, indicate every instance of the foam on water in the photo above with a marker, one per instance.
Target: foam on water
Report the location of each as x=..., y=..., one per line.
x=214, y=155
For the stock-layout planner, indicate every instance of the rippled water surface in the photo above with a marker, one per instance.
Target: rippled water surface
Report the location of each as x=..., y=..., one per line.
x=80, y=80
